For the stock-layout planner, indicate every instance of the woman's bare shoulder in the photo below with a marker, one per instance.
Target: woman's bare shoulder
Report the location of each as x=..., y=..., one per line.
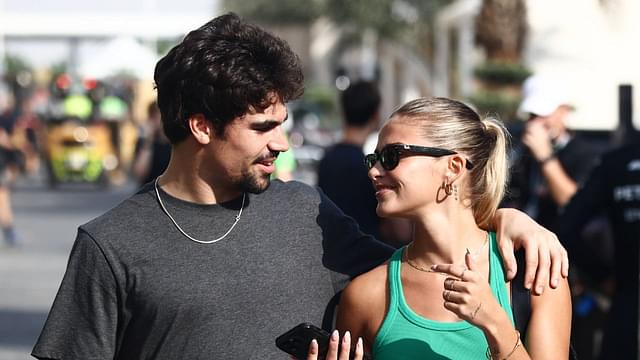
x=363, y=305
x=369, y=288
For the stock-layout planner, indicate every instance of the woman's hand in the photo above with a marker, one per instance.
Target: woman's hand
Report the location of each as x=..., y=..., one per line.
x=467, y=294
x=546, y=258
x=336, y=350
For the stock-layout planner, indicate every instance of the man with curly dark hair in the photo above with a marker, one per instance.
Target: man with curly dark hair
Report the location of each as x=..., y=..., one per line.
x=213, y=260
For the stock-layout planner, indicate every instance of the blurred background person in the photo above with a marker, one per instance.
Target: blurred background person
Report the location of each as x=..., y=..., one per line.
x=555, y=160
x=613, y=187
x=7, y=177
x=342, y=174
x=548, y=169
x=153, y=149
x=612, y=192
x=9, y=164
x=28, y=129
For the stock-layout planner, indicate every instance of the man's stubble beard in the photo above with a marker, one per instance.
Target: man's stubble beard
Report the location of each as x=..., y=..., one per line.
x=253, y=183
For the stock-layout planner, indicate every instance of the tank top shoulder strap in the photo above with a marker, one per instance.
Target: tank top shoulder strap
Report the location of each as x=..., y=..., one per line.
x=497, y=276
x=393, y=278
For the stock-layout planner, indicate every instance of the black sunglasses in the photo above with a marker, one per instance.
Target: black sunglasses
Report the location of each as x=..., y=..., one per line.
x=390, y=155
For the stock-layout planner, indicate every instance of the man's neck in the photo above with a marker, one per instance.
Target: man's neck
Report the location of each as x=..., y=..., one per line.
x=185, y=178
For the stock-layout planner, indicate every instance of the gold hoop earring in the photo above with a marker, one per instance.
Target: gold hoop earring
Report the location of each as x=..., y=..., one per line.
x=448, y=188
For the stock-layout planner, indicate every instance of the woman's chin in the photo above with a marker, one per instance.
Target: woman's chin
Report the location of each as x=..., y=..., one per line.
x=385, y=213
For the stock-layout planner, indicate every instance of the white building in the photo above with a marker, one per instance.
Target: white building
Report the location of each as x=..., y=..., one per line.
x=589, y=45
x=50, y=31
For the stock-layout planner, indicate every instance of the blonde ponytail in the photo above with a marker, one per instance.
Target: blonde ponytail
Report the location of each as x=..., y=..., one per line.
x=492, y=180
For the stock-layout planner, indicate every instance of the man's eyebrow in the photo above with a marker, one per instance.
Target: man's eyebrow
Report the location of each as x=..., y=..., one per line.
x=270, y=122
x=265, y=125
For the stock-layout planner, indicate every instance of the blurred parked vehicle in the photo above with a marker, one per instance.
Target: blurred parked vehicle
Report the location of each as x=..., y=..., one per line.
x=78, y=152
x=82, y=131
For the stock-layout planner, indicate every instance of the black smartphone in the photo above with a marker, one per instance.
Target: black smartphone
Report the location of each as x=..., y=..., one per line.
x=297, y=340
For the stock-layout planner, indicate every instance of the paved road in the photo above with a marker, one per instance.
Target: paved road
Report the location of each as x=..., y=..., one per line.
x=30, y=275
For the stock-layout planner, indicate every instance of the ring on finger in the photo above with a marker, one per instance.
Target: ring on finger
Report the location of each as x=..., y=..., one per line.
x=449, y=284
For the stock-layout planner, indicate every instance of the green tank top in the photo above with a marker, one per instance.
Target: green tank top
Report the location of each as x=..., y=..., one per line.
x=406, y=335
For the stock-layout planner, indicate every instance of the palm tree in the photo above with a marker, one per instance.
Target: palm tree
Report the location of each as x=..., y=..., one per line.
x=501, y=28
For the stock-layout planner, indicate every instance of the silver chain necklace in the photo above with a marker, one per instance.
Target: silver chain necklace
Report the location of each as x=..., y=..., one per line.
x=155, y=185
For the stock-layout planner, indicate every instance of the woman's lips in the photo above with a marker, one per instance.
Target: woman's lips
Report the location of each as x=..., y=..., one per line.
x=382, y=189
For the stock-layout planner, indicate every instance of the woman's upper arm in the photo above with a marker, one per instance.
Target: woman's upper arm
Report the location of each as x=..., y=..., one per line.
x=351, y=314
x=362, y=307
x=549, y=331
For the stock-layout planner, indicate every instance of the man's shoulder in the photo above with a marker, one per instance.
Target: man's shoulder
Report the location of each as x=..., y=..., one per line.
x=291, y=191
x=126, y=214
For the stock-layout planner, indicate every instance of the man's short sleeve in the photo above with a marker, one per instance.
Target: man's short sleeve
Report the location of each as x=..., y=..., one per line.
x=82, y=323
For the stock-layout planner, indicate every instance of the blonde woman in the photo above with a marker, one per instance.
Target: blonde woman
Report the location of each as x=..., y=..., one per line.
x=444, y=296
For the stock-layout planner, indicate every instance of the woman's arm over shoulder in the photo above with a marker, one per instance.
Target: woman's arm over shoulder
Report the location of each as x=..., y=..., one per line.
x=549, y=330
x=363, y=305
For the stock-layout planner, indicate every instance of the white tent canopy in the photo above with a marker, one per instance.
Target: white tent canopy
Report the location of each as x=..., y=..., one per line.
x=122, y=55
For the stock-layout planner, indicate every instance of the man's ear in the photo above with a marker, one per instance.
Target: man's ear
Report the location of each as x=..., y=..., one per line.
x=201, y=128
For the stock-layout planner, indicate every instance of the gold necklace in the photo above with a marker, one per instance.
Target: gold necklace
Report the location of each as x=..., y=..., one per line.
x=428, y=270
x=415, y=266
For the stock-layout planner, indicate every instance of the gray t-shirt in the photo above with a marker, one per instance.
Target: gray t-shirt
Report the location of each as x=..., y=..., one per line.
x=136, y=288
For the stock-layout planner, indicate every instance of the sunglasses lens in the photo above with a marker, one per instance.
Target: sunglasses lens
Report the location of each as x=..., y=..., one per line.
x=370, y=160
x=389, y=158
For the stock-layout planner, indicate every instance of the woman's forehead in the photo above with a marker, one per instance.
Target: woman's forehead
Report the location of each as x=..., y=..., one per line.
x=399, y=131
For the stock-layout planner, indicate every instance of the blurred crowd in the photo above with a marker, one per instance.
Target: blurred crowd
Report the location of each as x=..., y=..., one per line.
x=569, y=181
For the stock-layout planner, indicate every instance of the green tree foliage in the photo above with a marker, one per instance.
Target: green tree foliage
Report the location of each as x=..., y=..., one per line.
x=282, y=12
x=366, y=14
x=388, y=18
x=19, y=75
x=14, y=64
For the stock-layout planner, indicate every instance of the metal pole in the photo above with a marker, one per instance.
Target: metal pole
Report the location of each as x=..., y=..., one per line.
x=626, y=133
